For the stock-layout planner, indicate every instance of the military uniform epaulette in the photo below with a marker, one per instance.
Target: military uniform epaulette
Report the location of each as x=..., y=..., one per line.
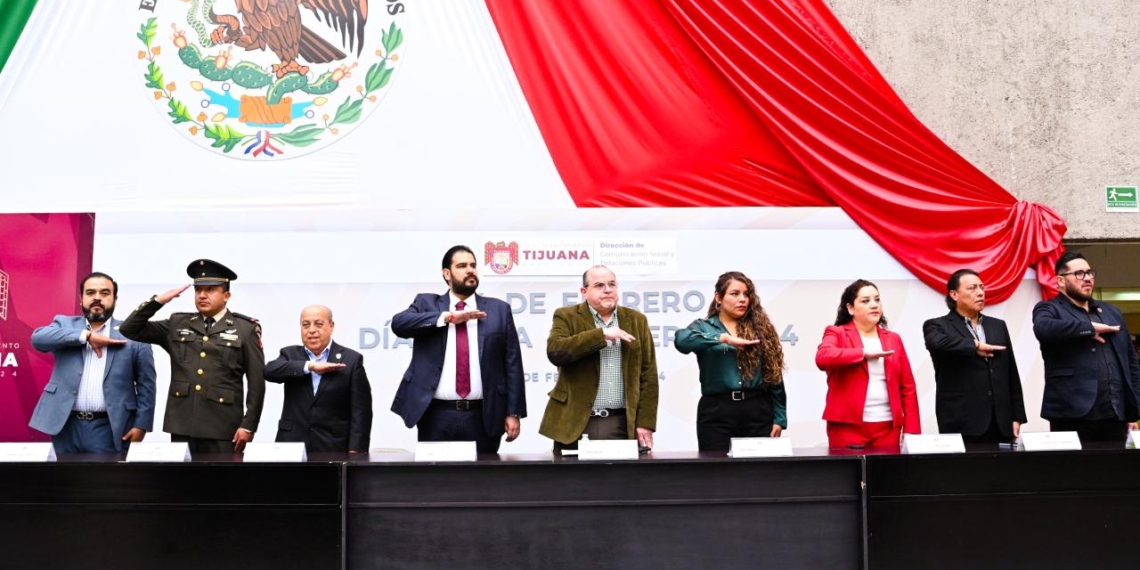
x=241, y=316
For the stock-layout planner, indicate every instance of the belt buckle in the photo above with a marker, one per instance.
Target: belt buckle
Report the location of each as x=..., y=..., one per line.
x=85, y=416
x=602, y=413
x=462, y=404
x=737, y=395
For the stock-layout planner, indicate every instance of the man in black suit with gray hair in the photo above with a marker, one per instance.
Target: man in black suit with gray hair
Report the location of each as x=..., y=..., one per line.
x=328, y=400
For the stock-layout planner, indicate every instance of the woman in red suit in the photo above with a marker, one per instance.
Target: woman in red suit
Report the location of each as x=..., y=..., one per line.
x=871, y=396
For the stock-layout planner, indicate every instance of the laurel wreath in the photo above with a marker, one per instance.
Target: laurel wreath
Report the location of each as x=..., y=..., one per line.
x=227, y=138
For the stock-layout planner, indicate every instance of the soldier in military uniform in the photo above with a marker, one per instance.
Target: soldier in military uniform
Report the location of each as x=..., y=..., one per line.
x=210, y=350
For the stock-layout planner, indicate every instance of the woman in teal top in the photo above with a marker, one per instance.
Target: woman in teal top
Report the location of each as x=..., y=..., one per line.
x=742, y=367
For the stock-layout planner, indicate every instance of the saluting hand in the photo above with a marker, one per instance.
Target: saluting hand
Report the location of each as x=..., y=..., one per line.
x=1101, y=328
x=325, y=367
x=872, y=354
x=171, y=294
x=988, y=350
x=98, y=342
x=460, y=317
x=614, y=334
x=733, y=340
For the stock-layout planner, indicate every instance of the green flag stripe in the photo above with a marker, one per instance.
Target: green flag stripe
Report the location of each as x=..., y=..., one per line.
x=13, y=15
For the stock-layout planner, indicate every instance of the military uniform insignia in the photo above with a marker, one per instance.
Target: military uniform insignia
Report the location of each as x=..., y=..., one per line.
x=269, y=80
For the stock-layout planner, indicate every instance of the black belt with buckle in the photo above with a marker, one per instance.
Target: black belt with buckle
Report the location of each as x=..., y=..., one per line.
x=460, y=405
x=88, y=416
x=740, y=395
x=607, y=412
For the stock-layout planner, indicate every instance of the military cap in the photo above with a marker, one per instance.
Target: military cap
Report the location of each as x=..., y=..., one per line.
x=209, y=272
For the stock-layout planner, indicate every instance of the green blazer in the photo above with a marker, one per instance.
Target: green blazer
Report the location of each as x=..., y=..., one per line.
x=573, y=346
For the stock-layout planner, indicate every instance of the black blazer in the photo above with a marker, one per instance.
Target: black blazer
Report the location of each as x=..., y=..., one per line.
x=972, y=390
x=1070, y=354
x=500, y=360
x=339, y=416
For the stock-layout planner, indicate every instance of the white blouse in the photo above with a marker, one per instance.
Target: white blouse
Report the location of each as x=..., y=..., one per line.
x=878, y=406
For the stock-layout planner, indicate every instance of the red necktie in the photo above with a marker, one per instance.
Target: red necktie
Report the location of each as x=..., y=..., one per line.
x=462, y=357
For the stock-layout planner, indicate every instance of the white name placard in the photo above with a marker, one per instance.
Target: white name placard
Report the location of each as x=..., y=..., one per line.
x=293, y=452
x=914, y=443
x=607, y=449
x=26, y=452
x=1049, y=441
x=158, y=452
x=760, y=447
x=445, y=451
x=1133, y=439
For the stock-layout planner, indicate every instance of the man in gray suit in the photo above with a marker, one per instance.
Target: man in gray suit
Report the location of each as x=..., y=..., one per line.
x=101, y=391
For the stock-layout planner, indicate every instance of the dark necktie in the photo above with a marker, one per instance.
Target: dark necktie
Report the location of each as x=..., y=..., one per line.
x=209, y=323
x=462, y=357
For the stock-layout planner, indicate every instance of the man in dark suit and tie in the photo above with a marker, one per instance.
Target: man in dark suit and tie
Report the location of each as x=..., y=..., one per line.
x=328, y=401
x=465, y=381
x=102, y=390
x=978, y=386
x=1092, y=376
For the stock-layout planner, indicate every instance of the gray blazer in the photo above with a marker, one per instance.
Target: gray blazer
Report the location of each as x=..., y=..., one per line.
x=128, y=382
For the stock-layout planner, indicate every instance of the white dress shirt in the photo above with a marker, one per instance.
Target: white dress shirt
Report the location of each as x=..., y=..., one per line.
x=90, y=395
x=446, y=389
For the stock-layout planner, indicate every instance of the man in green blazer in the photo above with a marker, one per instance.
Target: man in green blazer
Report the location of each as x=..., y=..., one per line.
x=607, y=371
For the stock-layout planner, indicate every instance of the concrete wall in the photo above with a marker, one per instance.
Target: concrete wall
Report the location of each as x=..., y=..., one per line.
x=1041, y=95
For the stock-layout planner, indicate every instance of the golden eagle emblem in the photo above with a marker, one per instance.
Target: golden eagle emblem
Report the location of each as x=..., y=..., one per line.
x=276, y=25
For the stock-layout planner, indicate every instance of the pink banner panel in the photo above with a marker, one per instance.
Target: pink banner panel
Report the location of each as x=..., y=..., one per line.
x=42, y=259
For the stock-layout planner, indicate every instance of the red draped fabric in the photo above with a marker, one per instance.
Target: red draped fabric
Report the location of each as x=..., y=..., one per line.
x=672, y=103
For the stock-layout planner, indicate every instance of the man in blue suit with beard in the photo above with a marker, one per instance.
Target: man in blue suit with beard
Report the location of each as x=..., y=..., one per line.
x=465, y=381
x=102, y=388
x=1092, y=374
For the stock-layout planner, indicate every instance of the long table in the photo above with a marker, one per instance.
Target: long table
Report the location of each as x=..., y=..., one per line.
x=989, y=508
x=1004, y=509
x=675, y=510
x=95, y=512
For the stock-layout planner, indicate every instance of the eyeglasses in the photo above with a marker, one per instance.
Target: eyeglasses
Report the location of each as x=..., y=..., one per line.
x=1080, y=274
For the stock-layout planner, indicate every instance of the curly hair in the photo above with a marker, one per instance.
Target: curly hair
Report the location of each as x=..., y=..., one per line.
x=755, y=324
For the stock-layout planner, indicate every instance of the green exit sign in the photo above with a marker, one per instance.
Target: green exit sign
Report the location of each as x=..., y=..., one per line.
x=1121, y=199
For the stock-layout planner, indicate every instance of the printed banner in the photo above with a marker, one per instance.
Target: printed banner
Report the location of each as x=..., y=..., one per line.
x=800, y=261
x=42, y=259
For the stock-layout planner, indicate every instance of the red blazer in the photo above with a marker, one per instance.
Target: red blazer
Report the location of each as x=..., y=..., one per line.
x=840, y=354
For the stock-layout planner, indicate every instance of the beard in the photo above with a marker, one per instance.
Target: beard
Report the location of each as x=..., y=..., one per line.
x=462, y=288
x=98, y=317
x=1075, y=294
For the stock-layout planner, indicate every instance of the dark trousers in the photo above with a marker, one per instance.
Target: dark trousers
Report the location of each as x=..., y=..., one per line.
x=443, y=424
x=1093, y=430
x=992, y=435
x=84, y=436
x=610, y=427
x=199, y=446
x=720, y=418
